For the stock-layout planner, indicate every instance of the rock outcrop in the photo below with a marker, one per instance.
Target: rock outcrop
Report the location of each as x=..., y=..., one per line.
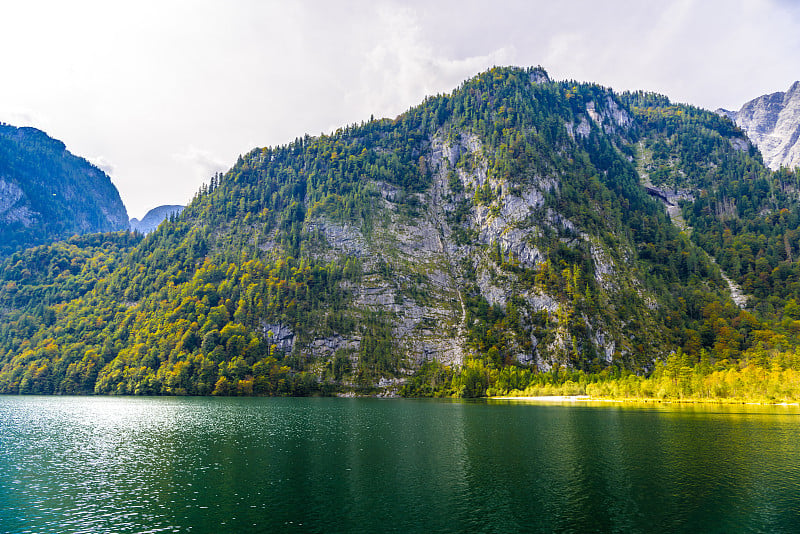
x=474, y=236
x=773, y=123
x=516, y=221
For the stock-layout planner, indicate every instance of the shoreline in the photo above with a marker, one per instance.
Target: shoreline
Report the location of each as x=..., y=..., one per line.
x=647, y=400
x=549, y=398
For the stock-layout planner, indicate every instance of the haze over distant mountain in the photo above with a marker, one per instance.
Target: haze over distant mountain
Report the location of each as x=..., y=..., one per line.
x=154, y=217
x=47, y=193
x=772, y=122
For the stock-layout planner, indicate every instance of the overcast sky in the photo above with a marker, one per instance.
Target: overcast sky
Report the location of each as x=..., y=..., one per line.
x=162, y=94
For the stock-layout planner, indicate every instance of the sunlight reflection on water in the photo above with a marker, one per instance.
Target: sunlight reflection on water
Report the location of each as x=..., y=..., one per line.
x=99, y=464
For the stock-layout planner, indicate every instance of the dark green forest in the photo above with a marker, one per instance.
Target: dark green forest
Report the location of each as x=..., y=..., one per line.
x=48, y=194
x=305, y=270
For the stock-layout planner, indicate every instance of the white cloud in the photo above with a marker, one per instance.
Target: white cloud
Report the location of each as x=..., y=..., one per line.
x=146, y=83
x=21, y=118
x=103, y=164
x=402, y=67
x=202, y=162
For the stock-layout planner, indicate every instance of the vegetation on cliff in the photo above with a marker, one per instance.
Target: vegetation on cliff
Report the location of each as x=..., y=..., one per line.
x=484, y=241
x=48, y=194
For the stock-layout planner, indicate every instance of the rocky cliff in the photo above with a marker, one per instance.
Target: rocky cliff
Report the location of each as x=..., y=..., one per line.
x=772, y=122
x=507, y=219
x=517, y=221
x=47, y=193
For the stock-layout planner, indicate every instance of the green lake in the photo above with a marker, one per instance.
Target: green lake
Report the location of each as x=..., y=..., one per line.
x=106, y=464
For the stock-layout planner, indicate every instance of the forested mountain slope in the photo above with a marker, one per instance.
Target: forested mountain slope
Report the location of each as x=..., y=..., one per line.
x=48, y=194
x=518, y=223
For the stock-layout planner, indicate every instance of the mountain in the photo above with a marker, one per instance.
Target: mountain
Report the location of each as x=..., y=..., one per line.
x=154, y=217
x=772, y=122
x=47, y=194
x=514, y=227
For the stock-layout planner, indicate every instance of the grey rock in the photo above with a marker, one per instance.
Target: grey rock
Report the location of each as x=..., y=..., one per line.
x=280, y=335
x=341, y=237
x=539, y=75
x=10, y=193
x=607, y=115
x=433, y=269
x=327, y=346
x=772, y=122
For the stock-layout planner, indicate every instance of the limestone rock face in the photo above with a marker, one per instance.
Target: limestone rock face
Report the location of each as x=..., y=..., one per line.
x=773, y=123
x=424, y=267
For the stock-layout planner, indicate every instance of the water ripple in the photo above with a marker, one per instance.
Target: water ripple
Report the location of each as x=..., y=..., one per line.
x=261, y=465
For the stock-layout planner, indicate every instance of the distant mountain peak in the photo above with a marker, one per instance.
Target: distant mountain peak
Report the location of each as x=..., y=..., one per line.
x=154, y=217
x=773, y=123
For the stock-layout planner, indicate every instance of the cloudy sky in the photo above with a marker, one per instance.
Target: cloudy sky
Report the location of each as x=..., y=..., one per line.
x=161, y=94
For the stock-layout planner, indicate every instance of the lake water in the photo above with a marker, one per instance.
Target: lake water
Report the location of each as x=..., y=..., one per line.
x=100, y=464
